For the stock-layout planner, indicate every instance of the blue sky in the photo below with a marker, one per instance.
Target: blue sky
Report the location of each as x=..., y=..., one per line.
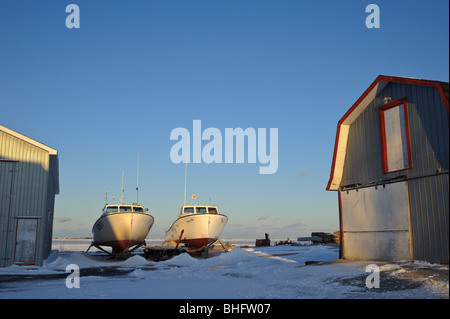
x=135, y=70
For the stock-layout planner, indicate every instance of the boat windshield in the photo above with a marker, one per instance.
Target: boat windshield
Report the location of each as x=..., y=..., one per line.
x=112, y=209
x=125, y=208
x=138, y=209
x=201, y=210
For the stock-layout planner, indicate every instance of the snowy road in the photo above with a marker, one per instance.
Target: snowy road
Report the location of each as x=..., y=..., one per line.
x=277, y=272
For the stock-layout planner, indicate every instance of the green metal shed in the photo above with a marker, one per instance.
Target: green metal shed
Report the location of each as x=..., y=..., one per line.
x=29, y=181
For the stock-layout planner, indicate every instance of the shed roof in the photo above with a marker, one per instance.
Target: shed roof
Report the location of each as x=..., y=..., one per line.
x=358, y=107
x=54, y=165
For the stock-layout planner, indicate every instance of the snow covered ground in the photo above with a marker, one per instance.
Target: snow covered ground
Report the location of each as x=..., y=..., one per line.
x=276, y=272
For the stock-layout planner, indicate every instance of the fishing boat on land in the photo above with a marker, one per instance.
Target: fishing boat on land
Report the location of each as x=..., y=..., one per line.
x=197, y=227
x=122, y=227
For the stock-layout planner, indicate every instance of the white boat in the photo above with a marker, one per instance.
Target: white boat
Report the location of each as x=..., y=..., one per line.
x=197, y=226
x=122, y=227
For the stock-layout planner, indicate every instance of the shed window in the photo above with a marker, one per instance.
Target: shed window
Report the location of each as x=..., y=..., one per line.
x=395, y=140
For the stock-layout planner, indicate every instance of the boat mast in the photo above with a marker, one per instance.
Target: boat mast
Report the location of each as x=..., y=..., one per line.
x=185, y=176
x=123, y=192
x=137, y=182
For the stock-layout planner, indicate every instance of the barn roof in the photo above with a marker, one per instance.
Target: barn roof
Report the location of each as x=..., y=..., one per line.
x=54, y=164
x=360, y=105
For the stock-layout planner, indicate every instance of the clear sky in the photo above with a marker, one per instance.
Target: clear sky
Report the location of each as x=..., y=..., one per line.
x=135, y=70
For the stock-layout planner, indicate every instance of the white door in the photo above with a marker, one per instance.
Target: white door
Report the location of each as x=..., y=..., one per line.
x=375, y=223
x=25, y=248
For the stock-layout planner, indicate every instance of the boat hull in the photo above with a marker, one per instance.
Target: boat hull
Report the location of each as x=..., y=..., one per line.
x=200, y=230
x=121, y=231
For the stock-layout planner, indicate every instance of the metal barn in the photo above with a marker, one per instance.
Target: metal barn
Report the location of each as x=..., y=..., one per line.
x=29, y=181
x=390, y=169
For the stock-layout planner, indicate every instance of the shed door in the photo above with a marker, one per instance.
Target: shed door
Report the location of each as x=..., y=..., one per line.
x=25, y=248
x=375, y=223
x=7, y=223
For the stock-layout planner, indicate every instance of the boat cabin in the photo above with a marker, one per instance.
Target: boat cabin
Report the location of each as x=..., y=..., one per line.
x=123, y=209
x=198, y=210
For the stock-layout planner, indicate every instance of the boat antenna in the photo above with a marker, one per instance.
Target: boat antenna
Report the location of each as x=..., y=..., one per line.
x=106, y=198
x=123, y=192
x=137, y=182
x=185, y=176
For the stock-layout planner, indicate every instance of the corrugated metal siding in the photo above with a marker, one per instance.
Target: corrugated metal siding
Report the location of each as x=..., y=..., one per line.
x=6, y=220
x=49, y=213
x=429, y=209
x=363, y=157
x=429, y=131
x=29, y=190
x=429, y=134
